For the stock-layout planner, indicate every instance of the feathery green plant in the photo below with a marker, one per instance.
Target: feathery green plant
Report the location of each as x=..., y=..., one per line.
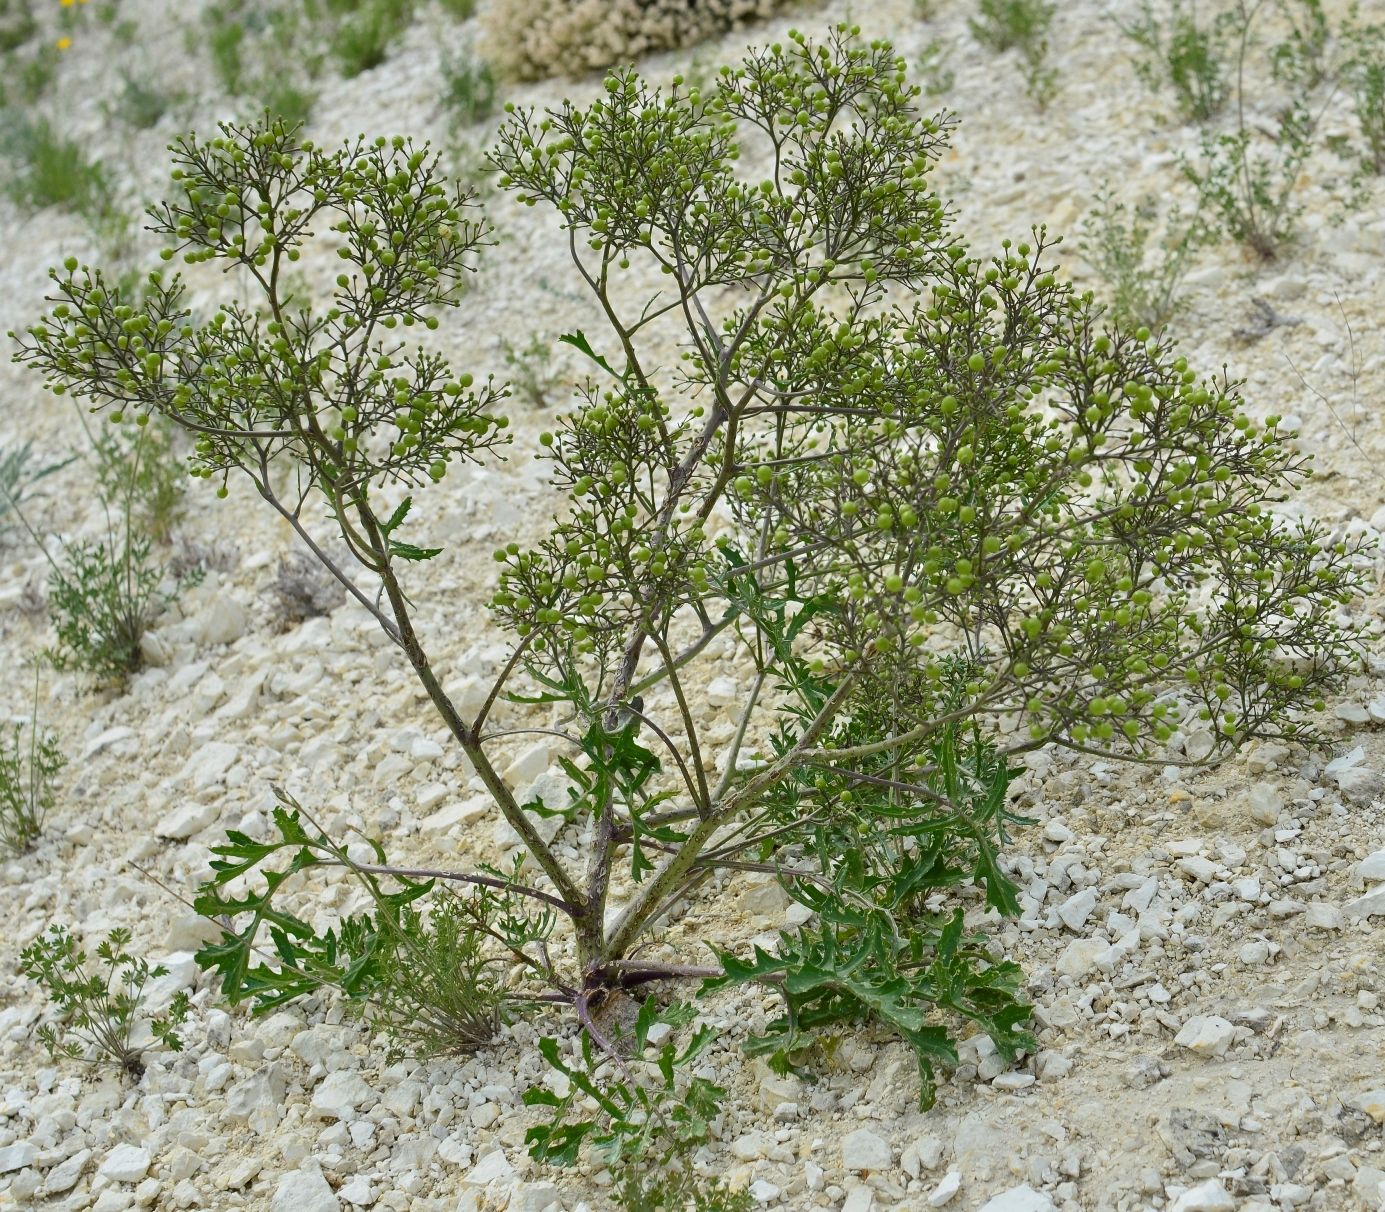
x=937, y=511
x=468, y=91
x=1141, y=258
x=28, y=765
x=1184, y=54
x=1363, y=77
x=1022, y=25
x=1248, y=178
x=105, y=593
x=99, y=1010
x=46, y=169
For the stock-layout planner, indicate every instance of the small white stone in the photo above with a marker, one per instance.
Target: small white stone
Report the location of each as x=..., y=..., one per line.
x=926, y=1153
x=181, y=974
x=1206, y=1035
x=357, y=1191
x=207, y=765
x=494, y=1167
x=1352, y=713
x=762, y=1191
x=221, y=622
x=17, y=1156
x=533, y=1197
x=1370, y=905
x=154, y=650
x=1372, y=867
x=945, y=1190
x=1075, y=911
x=455, y=814
x=1345, y=761
x=105, y=739
x=1265, y=803
x=863, y=1150
x=125, y=1164
x=340, y=1093
x=1019, y=1199
x=1360, y=784
x=63, y=1177
x=549, y=789
x=424, y=749
x=186, y=820
x=531, y=762
x=1013, y=1081
x=304, y=1191
x=1204, y=871
x=1057, y=832
x=1254, y=953
x=722, y=691
x=1198, y=744
x=1185, y=846
x=1372, y=1102
x=859, y=1199
x=1082, y=956
x=1322, y=916
x=1369, y=1184
x=1209, y=1196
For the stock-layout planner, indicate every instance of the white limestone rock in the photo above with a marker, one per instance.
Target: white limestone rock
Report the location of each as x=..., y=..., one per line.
x=1019, y=1199
x=1372, y=867
x=125, y=1164
x=1209, y=1196
x=1075, y=911
x=185, y=821
x=304, y=1191
x=864, y=1150
x=18, y=1155
x=1370, y=905
x=221, y=622
x=1322, y=916
x=945, y=1190
x=1083, y=956
x=208, y=763
x=63, y=1177
x=1265, y=803
x=340, y=1093
x=493, y=1168
x=722, y=691
x=1206, y=1035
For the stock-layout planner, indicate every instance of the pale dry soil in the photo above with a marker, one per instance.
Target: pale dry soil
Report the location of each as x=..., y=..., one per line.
x=1207, y=978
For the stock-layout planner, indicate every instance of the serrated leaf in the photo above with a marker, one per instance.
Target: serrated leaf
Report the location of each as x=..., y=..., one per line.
x=407, y=551
x=578, y=341
x=396, y=519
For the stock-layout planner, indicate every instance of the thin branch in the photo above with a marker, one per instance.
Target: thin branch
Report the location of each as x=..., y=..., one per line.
x=484, y=881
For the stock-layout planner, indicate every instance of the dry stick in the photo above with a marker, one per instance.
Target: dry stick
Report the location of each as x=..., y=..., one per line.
x=460, y=877
x=1355, y=383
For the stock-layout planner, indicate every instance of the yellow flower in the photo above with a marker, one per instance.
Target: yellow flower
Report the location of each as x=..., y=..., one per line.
x=64, y=42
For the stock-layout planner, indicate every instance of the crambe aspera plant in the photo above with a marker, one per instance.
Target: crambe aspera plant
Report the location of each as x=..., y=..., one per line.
x=938, y=513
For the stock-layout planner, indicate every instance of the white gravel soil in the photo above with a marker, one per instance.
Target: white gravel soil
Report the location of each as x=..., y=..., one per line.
x=1206, y=950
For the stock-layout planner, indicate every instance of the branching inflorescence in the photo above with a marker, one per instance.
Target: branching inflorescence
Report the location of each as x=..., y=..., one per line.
x=940, y=512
